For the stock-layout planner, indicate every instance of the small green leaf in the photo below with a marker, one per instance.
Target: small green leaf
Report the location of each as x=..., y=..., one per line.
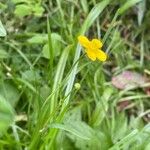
x=23, y=10
x=45, y=91
x=56, y=38
x=3, y=54
x=2, y=7
x=30, y=75
x=38, y=10
x=9, y=92
x=6, y=114
x=38, y=39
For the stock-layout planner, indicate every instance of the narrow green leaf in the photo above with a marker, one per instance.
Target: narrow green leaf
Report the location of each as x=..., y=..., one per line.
x=2, y=30
x=94, y=13
x=127, y=5
x=78, y=129
x=141, y=10
x=127, y=139
x=84, y=5
x=59, y=74
x=51, y=56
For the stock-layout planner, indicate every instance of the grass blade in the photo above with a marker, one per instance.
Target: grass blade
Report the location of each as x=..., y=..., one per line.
x=127, y=5
x=2, y=30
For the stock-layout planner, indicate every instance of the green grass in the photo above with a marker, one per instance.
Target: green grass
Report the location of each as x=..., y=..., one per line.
x=52, y=96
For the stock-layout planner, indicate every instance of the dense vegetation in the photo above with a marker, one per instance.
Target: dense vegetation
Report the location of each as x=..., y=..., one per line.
x=53, y=97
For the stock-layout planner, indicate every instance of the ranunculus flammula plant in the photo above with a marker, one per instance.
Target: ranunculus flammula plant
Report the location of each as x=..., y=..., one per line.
x=92, y=48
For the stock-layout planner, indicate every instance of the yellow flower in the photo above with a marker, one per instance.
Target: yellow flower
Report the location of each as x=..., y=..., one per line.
x=92, y=48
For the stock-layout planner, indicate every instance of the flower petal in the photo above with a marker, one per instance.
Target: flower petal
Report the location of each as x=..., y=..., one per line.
x=83, y=41
x=91, y=55
x=97, y=43
x=102, y=56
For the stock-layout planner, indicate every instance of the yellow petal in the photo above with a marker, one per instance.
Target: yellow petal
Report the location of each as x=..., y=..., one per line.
x=102, y=56
x=97, y=43
x=83, y=41
x=91, y=55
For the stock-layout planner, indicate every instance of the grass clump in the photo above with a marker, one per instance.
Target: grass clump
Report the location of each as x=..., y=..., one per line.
x=54, y=97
